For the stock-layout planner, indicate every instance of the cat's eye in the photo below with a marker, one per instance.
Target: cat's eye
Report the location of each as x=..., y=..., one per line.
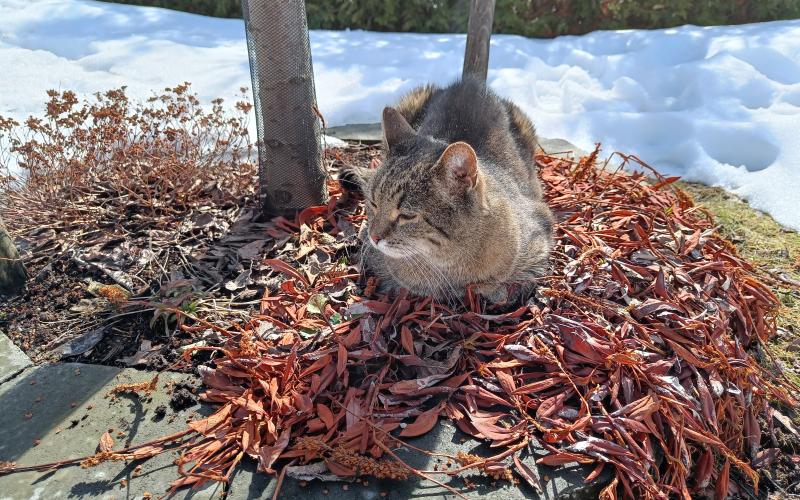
x=407, y=217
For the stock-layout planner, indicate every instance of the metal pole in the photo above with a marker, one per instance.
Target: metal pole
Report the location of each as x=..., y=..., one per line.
x=479, y=31
x=291, y=173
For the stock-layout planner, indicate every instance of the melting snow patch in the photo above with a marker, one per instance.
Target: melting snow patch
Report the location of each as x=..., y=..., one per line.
x=718, y=105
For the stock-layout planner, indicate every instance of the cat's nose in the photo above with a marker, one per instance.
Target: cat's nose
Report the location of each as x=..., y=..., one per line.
x=375, y=238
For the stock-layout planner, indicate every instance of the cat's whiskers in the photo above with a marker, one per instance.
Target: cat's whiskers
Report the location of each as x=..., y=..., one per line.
x=443, y=278
x=433, y=282
x=430, y=282
x=446, y=290
x=424, y=263
x=362, y=258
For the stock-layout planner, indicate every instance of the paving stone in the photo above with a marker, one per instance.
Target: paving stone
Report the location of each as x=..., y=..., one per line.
x=561, y=148
x=371, y=133
x=563, y=483
x=65, y=408
x=12, y=359
x=364, y=132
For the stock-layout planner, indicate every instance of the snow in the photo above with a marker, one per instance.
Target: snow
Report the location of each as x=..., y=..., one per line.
x=718, y=105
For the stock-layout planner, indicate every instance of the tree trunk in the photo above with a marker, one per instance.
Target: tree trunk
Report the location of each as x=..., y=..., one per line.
x=479, y=31
x=292, y=175
x=12, y=272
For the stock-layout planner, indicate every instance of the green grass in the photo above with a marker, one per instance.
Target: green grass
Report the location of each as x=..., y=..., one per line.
x=773, y=249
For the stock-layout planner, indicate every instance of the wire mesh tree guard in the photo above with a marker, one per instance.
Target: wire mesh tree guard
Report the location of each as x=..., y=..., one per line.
x=291, y=173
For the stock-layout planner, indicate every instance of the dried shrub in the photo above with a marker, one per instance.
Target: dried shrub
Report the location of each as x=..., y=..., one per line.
x=116, y=167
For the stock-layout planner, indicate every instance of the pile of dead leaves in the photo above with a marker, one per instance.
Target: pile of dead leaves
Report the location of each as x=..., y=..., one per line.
x=639, y=353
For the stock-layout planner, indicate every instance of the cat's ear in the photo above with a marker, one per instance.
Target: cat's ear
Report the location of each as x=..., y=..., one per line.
x=461, y=164
x=395, y=128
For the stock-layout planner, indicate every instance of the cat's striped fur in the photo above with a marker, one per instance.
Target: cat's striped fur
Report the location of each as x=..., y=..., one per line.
x=457, y=200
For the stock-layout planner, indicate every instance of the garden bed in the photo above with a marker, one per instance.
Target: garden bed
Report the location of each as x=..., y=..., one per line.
x=644, y=352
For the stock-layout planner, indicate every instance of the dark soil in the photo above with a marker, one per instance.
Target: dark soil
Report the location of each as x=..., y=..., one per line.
x=40, y=321
x=35, y=320
x=159, y=412
x=183, y=395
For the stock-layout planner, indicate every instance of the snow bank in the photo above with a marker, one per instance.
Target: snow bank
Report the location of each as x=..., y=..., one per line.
x=718, y=105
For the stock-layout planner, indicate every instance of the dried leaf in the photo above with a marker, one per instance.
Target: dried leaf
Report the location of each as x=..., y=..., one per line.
x=206, y=425
x=106, y=443
x=704, y=469
x=316, y=470
x=287, y=269
x=316, y=304
x=339, y=469
x=530, y=476
x=269, y=454
x=341, y=360
x=610, y=491
x=506, y=381
x=412, y=386
x=82, y=343
x=721, y=490
x=325, y=415
x=407, y=340
x=422, y=424
x=251, y=250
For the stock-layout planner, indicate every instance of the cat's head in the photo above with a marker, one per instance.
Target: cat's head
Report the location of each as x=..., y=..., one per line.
x=425, y=197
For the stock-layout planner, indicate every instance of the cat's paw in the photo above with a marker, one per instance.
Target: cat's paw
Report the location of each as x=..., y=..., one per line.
x=496, y=294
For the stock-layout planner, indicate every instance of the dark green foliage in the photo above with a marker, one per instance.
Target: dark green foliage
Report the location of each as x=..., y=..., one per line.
x=218, y=8
x=537, y=18
x=424, y=16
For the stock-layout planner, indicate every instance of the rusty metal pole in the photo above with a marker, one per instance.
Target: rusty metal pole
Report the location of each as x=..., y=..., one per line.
x=291, y=172
x=479, y=31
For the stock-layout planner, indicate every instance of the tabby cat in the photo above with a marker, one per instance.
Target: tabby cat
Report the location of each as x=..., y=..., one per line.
x=457, y=200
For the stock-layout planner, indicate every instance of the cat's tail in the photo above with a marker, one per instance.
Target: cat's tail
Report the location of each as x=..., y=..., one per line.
x=523, y=130
x=412, y=106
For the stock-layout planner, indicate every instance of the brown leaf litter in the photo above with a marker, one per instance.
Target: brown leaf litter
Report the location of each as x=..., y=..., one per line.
x=643, y=351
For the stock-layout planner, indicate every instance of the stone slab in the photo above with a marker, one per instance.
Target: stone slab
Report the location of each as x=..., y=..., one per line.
x=57, y=412
x=12, y=359
x=563, y=483
x=363, y=132
x=561, y=148
x=371, y=133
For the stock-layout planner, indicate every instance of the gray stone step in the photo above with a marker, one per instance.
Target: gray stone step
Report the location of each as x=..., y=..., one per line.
x=12, y=359
x=58, y=412
x=65, y=408
x=370, y=133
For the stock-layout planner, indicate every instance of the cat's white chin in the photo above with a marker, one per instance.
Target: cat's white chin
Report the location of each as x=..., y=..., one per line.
x=390, y=250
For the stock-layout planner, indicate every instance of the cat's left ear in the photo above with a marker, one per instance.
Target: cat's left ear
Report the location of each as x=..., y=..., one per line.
x=461, y=164
x=395, y=128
